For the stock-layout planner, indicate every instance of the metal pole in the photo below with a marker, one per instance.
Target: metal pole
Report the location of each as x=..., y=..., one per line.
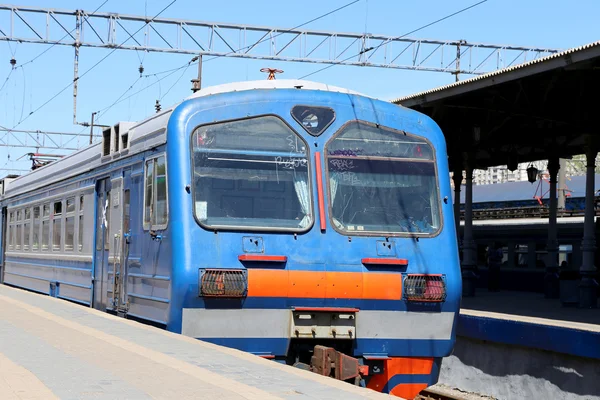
x=469, y=263
x=588, y=287
x=200, y=72
x=76, y=65
x=197, y=83
x=562, y=193
x=457, y=62
x=551, y=288
x=92, y=127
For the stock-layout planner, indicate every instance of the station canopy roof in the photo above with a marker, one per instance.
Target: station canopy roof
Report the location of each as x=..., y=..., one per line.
x=522, y=113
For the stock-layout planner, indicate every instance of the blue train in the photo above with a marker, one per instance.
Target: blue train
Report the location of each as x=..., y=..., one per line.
x=297, y=221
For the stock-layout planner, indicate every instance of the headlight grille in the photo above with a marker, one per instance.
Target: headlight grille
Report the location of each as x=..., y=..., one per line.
x=425, y=288
x=223, y=283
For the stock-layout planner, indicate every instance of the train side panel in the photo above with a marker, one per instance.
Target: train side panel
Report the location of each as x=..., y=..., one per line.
x=66, y=239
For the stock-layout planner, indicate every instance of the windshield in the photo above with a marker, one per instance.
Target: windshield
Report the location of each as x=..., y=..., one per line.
x=251, y=173
x=382, y=181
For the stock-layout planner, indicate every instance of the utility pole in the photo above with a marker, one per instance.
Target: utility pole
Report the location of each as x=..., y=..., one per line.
x=197, y=83
x=77, y=44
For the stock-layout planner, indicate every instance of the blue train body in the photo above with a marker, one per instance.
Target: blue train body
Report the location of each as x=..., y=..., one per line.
x=267, y=216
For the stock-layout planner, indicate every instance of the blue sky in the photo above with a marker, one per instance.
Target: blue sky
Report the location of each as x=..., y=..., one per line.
x=548, y=23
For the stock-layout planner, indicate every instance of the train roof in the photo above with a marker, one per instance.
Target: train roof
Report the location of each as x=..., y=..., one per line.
x=140, y=136
x=519, y=191
x=271, y=84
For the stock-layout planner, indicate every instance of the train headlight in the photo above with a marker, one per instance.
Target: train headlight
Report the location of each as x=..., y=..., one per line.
x=216, y=282
x=424, y=288
x=313, y=119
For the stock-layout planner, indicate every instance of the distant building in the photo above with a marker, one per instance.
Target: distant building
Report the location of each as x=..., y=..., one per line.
x=501, y=173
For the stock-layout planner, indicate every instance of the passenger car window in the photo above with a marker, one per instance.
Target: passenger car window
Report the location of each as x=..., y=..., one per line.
x=70, y=224
x=156, y=210
x=57, y=218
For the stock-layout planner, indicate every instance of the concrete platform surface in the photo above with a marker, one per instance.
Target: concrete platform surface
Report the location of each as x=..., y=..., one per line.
x=52, y=349
x=530, y=321
x=523, y=305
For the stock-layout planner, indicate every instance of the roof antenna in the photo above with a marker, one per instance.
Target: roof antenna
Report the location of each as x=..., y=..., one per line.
x=272, y=72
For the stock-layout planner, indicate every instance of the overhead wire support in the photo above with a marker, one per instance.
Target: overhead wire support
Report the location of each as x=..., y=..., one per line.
x=416, y=50
x=197, y=82
x=115, y=48
x=181, y=36
x=35, y=139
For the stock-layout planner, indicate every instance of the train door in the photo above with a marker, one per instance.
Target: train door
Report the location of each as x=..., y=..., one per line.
x=120, y=234
x=100, y=283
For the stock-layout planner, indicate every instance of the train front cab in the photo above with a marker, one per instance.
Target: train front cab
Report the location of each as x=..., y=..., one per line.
x=314, y=218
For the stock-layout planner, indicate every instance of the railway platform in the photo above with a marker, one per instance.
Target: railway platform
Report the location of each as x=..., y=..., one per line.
x=53, y=349
x=516, y=345
x=530, y=320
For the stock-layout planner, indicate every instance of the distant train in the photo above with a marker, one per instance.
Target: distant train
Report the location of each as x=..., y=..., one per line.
x=294, y=220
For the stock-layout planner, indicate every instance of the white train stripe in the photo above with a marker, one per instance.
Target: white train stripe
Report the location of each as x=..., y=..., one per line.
x=275, y=323
x=241, y=323
x=404, y=325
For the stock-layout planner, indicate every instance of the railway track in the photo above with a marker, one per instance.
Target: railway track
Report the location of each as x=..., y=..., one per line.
x=440, y=392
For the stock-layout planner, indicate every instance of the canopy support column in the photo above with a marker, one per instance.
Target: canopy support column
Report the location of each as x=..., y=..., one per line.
x=588, y=287
x=551, y=281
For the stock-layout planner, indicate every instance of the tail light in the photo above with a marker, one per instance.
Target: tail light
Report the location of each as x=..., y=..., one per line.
x=223, y=283
x=426, y=288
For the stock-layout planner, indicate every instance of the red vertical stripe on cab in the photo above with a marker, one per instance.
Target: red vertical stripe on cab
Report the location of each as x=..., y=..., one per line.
x=320, y=190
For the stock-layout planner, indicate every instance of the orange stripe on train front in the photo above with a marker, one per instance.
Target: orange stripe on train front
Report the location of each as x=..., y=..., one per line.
x=402, y=366
x=321, y=284
x=409, y=365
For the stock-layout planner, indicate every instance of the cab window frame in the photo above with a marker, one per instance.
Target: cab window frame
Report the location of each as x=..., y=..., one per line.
x=246, y=228
x=326, y=177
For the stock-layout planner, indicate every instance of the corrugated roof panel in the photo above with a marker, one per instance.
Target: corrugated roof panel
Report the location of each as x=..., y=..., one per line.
x=497, y=72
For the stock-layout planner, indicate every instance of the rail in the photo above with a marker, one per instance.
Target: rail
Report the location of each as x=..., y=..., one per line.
x=435, y=393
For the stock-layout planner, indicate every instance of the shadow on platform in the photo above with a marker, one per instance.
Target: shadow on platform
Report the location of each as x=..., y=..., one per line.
x=528, y=304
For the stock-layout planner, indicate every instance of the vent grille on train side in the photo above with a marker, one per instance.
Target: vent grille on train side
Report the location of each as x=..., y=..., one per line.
x=223, y=283
x=427, y=288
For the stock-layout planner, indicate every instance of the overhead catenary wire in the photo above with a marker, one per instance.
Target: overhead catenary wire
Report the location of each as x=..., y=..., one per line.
x=93, y=66
x=261, y=40
x=264, y=38
x=373, y=49
x=61, y=39
x=22, y=67
x=176, y=82
x=194, y=60
x=24, y=92
x=6, y=80
x=171, y=72
x=45, y=50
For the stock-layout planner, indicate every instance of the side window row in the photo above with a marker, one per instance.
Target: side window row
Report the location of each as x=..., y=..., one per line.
x=56, y=225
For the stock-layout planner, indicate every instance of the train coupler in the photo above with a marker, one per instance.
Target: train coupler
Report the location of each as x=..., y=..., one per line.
x=327, y=361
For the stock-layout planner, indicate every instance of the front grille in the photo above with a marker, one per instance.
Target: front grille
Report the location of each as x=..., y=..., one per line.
x=427, y=288
x=223, y=283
